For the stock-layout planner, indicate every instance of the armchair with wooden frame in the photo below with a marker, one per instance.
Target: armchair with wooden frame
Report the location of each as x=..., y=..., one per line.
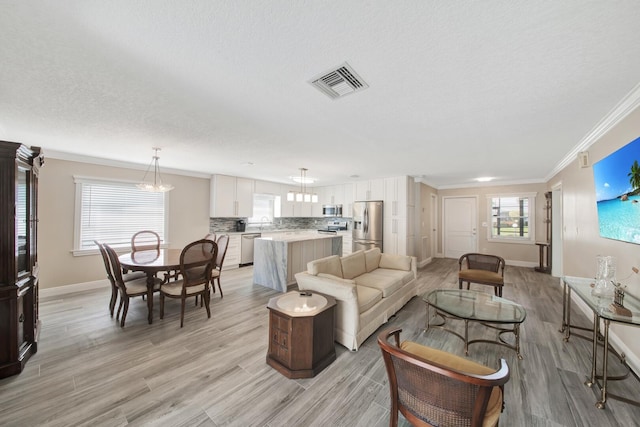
x=432, y=387
x=483, y=269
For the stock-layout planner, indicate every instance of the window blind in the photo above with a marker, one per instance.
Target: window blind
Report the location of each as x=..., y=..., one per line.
x=111, y=212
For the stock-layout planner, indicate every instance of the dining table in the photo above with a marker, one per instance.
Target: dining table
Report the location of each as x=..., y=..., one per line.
x=151, y=262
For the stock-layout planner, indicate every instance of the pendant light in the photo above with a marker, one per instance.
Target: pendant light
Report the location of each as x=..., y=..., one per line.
x=157, y=186
x=303, y=195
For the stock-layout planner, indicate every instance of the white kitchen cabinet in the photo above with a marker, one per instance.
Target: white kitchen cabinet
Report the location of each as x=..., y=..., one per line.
x=232, y=257
x=347, y=242
x=231, y=196
x=372, y=189
x=396, y=216
x=267, y=187
x=347, y=201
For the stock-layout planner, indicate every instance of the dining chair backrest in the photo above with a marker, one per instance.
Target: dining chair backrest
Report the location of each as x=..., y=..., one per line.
x=211, y=236
x=196, y=262
x=105, y=259
x=116, y=268
x=145, y=240
x=223, y=243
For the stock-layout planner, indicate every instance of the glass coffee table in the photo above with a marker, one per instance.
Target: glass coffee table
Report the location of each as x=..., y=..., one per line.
x=473, y=306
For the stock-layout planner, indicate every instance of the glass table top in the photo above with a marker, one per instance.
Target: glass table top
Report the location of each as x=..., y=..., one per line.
x=583, y=286
x=476, y=306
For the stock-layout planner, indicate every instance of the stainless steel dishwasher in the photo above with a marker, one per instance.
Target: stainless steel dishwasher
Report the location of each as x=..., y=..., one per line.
x=246, y=248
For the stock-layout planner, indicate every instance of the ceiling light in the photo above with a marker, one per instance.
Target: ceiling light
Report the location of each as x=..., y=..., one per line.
x=484, y=179
x=157, y=186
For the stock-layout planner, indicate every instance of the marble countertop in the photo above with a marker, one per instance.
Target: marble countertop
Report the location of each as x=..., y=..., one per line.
x=298, y=237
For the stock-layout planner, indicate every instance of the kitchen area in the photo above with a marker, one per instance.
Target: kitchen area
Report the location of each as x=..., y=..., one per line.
x=278, y=235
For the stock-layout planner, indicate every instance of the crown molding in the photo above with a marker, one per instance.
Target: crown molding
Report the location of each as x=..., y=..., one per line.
x=72, y=157
x=615, y=116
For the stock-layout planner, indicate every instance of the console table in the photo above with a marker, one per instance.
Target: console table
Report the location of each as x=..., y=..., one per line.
x=602, y=311
x=301, y=333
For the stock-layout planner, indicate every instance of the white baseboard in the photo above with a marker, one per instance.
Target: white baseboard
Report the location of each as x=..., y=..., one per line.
x=425, y=262
x=521, y=263
x=76, y=287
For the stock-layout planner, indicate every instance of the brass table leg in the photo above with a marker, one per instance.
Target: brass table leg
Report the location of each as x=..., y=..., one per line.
x=596, y=325
x=603, y=395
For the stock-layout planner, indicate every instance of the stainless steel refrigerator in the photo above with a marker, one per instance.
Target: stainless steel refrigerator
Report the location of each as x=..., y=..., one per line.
x=367, y=225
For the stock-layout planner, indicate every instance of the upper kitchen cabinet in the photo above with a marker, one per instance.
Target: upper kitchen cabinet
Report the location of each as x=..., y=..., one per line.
x=231, y=196
x=267, y=187
x=347, y=200
x=372, y=189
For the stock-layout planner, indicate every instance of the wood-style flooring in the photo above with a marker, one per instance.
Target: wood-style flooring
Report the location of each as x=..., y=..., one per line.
x=89, y=371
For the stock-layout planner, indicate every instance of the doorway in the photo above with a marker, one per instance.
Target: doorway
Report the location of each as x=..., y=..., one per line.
x=460, y=221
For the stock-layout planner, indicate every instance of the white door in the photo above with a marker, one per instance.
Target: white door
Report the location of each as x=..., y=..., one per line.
x=460, y=226
x=433, y=230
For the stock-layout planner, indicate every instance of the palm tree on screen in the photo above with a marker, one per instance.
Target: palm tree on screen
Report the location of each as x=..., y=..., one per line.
x=634, y=175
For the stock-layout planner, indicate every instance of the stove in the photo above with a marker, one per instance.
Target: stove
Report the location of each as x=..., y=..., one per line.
x=333, y=227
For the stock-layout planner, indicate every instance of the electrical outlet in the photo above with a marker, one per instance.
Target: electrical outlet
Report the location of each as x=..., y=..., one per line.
x=635, y=270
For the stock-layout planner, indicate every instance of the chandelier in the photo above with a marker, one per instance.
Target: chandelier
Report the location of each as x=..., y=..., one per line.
x=157, y=186
x=302, y=195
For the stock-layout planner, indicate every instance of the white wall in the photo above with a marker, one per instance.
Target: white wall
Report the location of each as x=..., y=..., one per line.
x=188, y=218
x=581, y=239
x=514, y=253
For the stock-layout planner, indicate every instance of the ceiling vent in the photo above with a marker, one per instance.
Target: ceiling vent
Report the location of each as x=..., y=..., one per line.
x=339, y=82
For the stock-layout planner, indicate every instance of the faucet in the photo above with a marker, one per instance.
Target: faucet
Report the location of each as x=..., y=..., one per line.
x=262, y=221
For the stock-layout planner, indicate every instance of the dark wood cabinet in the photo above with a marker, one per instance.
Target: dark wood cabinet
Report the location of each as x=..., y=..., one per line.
x=19, y=166
x=301, y=345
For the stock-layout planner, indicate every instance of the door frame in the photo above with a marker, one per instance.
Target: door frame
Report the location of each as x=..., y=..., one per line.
x=444, y=220
x=557, y=228
x=433, y=226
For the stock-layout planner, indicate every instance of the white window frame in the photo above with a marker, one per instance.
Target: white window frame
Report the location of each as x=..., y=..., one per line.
x=531, y=239
x=79, y=181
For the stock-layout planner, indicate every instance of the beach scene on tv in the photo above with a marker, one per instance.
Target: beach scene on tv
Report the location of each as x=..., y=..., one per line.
x=617, y=183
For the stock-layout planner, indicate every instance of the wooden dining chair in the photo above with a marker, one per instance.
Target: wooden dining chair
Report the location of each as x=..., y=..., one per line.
x=223, y=243
x=431, y=387
x=196, y=262
x=127, y=289
x=145, y=240
x=126, y=277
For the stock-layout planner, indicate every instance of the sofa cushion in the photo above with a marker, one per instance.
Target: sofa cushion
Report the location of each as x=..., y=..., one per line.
x=494, y=407
x=367, y=298
x=372, y=259
x=395, y=262
x=353, y=265
x=337, y=279
x=480, y=276
x=327, y=265
x=387, y=281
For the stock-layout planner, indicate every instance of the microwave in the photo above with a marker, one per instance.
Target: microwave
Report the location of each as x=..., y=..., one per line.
x=332, y=210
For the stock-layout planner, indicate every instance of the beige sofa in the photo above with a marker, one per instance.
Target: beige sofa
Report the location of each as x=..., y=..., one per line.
x=369, y=287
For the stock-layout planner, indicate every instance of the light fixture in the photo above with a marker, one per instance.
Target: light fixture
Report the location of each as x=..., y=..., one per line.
x=157, y=186
x=302, y=196
x=484, y=179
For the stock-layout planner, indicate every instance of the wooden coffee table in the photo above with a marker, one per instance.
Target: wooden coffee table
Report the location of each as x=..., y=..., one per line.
x=473, y=306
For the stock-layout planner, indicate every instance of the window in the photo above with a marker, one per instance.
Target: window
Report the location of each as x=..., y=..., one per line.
x=265, y=208
x=112, y=211
x=512, y=217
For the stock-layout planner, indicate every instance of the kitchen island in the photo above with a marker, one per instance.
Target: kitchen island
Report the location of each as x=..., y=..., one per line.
x=278, y=258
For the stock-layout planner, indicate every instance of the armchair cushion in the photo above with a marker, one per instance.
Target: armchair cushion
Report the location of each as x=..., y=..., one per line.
x=480, y=276
x=494, y=407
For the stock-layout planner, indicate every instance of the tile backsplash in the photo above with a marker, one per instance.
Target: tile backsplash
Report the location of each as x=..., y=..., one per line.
x=226, y=225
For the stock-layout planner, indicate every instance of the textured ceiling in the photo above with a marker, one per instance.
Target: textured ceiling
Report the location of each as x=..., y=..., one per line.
x=457, y=89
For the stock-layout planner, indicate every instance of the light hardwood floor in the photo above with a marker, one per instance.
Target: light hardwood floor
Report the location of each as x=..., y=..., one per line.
x=89, y=371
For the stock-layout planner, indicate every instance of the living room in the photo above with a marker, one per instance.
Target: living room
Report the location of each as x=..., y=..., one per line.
x=614, y=122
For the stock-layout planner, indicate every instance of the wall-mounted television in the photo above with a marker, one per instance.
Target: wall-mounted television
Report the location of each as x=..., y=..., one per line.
x=617, y=183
